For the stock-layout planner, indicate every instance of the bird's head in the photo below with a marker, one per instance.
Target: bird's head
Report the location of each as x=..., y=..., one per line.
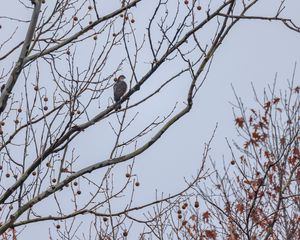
x=121, y=78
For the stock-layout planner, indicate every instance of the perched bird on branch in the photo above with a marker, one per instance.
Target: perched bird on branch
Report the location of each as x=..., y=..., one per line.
x=120, y=88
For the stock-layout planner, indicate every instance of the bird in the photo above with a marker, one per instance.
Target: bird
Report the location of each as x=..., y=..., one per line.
x=120, y=89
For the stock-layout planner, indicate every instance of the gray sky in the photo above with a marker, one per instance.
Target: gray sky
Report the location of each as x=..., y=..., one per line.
x=254, y=52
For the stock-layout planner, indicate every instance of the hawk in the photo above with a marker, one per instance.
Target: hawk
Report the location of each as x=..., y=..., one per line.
x=120, y=88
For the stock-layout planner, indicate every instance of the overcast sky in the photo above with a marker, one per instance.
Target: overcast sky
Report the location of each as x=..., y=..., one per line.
x=253, y=52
